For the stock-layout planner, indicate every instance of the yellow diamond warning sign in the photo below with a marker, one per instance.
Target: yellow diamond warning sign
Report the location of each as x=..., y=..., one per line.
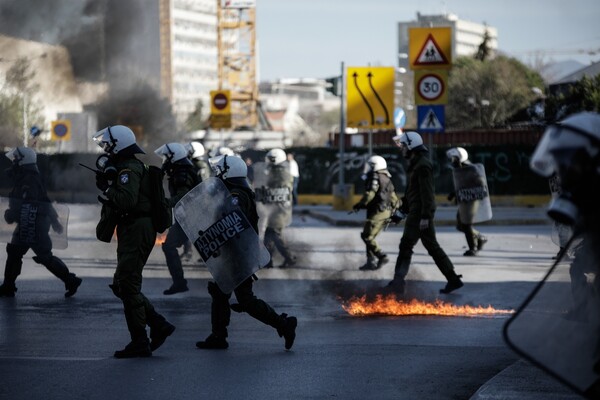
x=430, y=48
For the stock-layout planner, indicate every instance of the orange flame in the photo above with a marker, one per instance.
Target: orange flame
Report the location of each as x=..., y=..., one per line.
x=390, y=305
x=160, y=239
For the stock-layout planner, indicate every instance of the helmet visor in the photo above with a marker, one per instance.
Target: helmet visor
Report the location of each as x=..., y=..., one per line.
x=557, y=140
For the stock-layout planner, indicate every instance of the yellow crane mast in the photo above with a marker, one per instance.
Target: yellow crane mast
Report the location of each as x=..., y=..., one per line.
x=236, y=40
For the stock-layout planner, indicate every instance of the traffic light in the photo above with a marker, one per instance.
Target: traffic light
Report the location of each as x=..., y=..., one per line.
x=333, y=85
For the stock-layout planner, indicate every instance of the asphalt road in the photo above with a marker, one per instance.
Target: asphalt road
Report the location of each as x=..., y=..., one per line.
x=57, y=348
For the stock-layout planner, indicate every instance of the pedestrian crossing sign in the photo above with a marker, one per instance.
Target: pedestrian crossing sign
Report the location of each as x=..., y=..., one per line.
x=430, y=48
x=431, y=118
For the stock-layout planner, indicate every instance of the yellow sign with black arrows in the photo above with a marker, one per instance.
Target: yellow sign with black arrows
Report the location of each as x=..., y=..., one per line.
x=370, y=99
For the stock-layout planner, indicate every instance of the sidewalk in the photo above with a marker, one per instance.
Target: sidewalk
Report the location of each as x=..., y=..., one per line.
x=444, y=216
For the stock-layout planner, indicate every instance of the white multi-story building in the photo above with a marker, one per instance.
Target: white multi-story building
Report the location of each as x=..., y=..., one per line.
x=466, y=38
x=188, y=53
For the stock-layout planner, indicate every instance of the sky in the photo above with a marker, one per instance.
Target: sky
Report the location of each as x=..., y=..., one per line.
x=310, y=38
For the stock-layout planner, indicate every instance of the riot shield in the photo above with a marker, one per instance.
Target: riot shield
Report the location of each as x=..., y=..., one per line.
x=221, y=233
x=32, y=222
x=472, y=194
x=273, y=188
x=558, y=326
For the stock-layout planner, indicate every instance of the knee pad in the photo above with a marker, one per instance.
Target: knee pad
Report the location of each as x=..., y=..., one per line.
x=215, y=292
x=43, y=259
x=15, y=250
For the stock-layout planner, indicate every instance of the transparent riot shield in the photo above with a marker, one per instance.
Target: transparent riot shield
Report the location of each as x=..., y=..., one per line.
x=558, y=326
x=472, y=194
x=33, y=222
x=221, y=233
x=273, y=188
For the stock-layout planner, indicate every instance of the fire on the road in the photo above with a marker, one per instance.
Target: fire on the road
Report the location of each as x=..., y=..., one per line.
x=390, y=305
x=160, y=239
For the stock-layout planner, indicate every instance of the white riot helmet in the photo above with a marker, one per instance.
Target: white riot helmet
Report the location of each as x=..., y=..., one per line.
x=221, y=151
x=172, y=152
x=457, y=153
x=275, y=156
x=195, y=150
x=21, y=156
x=408, y=139
x=571, y=149
x=115, y=139
x=226, y=167
x=375, y=163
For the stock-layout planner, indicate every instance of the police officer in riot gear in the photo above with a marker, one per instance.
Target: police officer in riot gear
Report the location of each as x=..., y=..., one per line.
x=182, y=178
x=196, y=154
x=459, y=158
x=128, y=208
x=28, y=190
x=419, y=206
x=232, y=171
x=380, y=200
x=279, y=176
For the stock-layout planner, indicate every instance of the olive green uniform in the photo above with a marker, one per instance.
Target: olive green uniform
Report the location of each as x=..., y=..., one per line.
x=419, y=204
x=130, y=211
x=379, y=199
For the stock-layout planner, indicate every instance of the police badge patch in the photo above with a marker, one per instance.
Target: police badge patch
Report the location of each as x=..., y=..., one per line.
x=124, y=178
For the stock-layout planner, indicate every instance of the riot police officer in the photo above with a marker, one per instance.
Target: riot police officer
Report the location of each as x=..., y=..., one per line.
x=196, y=154
x=275, y=183
x=29, y=192
x=232, y=171
x=182, y=178
x=380, y=200
x=128, y=208
x=459, y=158
x=419, y=206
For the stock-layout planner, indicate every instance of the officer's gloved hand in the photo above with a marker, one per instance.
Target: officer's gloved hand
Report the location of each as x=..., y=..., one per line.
x=101, y=182
x=57, y=227
x=357, y=206
x=424, y=224
x=10, y=216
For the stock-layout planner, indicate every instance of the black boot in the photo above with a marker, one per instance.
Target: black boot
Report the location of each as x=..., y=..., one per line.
x=453, y=284
x=382, y=259
x=159, y=334
x=397, y=285
x=369, y=265
x=470, y=253
x=288, y=330
x=136, y=348
x=7, y=290
x=213, y=342
x=481, y=240
x=71, y=285
x=178, y=287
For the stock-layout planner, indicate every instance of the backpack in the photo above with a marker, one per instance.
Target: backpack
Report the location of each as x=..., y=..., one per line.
x=162, y=216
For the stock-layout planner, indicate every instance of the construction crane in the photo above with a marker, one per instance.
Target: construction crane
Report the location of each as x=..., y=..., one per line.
x=236, y=39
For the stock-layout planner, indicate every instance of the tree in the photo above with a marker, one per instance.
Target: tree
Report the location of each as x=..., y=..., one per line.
x=18, y=103
x=484, y=51
x=194, y=121
x=486, y=93
x=583, y=95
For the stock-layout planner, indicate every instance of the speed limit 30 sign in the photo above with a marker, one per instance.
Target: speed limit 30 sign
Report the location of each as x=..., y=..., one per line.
x=430, y=87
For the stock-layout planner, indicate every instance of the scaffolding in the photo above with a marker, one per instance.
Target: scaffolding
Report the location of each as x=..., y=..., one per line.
x=236, y=39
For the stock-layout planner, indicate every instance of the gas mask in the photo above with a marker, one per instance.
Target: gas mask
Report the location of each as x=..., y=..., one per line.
x=571, y=150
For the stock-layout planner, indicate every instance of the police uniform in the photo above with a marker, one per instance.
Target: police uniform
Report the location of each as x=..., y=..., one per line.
x=380, y=200
x=475, y=240
x=130, y=211
x=202, y=168
x=247, y=301
x=28, y=187
x=279, y=177
x=182, y=178
x=419, y=204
